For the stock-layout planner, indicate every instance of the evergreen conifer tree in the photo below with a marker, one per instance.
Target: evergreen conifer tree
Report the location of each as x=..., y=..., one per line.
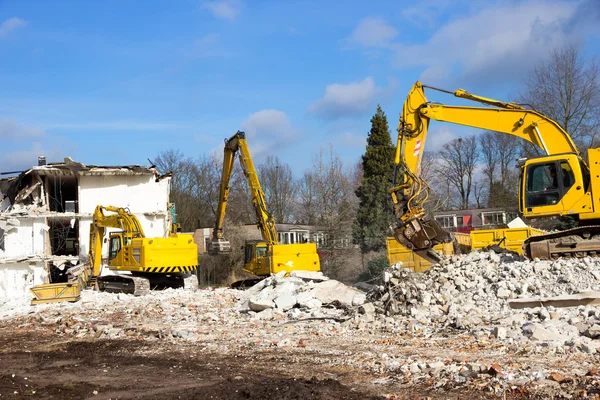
x=375, y=212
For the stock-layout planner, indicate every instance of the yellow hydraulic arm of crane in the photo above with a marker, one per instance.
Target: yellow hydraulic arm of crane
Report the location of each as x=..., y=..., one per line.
x=410, y=192
x=237, y=145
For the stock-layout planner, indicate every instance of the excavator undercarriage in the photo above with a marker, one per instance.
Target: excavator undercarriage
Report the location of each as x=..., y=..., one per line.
x=572, y=243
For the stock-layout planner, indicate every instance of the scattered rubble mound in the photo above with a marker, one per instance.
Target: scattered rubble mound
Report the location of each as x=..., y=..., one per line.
x=476, y=323
x=301, y=295
x=475, y=292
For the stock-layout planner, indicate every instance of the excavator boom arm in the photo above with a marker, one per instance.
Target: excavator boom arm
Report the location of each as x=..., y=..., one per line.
x=237, y=145
x=410, y=191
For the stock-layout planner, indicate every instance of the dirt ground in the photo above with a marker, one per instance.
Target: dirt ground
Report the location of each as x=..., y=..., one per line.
x=195, y=345
x=44, y=366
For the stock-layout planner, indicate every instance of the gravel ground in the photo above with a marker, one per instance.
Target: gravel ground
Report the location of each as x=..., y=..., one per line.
x=451, y=335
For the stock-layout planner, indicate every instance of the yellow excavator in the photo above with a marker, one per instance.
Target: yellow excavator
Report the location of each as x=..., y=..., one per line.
x=558, y=183
x=148, y=262
x=266, y=256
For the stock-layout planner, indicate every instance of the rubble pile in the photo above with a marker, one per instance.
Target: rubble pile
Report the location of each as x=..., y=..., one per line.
x=449, y=326
x=301, y=295
x=472, y=292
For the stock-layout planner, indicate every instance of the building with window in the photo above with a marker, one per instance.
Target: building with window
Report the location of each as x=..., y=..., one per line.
x=286, y=234
x=46, y=211
x=481, y=218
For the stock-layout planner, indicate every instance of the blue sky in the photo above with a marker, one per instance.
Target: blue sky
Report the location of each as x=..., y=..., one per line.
x=115, y=82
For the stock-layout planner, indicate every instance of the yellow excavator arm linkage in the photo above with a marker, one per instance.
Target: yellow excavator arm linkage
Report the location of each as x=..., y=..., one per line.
x=237, y=145
x=120, y=218
x=410, y=191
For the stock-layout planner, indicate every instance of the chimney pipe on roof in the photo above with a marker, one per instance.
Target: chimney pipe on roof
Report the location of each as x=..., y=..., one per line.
x=41, y=161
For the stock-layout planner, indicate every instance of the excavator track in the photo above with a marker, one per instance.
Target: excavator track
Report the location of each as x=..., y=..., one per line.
x=571, y=243
x=134, y=285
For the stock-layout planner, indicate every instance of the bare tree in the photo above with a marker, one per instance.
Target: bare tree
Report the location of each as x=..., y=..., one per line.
x=566, y=88
x=183, y=186
x=499, y=152
x=280, y=190
x=490, y=155
x=458, y=160
x=306, y=203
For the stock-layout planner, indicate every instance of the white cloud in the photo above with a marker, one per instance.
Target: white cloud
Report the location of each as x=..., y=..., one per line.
x=267, y=122
x=20, y=160
x=372, y=32
x=493, y=41
x=351, y=140
x=346, y=99
x=223, y=9
x=10, y=129
x=10, y=25
x=266, y=130
x=438, y=137
x=509, y=38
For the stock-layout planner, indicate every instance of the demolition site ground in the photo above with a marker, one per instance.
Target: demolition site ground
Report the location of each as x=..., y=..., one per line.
x=41, y=365
x=450, y=332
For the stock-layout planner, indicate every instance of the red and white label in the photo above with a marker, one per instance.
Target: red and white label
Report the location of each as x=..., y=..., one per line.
x=417, y=148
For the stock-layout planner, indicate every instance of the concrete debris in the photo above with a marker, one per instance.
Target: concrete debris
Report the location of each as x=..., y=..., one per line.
x=488, y=293
x=313, y=294
x=450, y=326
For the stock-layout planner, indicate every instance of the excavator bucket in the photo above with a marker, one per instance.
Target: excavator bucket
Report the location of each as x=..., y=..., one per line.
x=219, y=247
x=420, y=236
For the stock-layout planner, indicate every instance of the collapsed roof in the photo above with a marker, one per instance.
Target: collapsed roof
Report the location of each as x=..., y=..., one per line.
x=20, y=188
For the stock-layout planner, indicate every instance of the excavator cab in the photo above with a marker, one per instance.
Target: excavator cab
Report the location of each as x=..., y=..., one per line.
x=257, y=257
x=552, y=185
x=114, y=246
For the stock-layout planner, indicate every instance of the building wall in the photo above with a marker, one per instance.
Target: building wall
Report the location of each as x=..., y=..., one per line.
x=17, y=278
x=140, y=193
x=28, y=238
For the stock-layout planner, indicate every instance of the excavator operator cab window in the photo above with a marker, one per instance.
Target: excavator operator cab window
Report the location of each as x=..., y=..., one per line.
x=114, y=247
x=548, y=182
x=249, y=254
x=261, y=251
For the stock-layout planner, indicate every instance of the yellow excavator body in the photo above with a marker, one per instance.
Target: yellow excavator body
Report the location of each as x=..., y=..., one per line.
x=559, y=183
x=131, y=251
x=261, y=257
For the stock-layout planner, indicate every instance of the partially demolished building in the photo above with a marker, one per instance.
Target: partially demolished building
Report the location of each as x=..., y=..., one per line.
x=46, y=211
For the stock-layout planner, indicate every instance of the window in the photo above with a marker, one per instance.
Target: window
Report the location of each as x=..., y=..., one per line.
x=459, y=222
x=261, y=251
x=445, y=221
x=548, y=182
x=114, y=247
x=568, y=178
x=249, y=255
x=493, y=218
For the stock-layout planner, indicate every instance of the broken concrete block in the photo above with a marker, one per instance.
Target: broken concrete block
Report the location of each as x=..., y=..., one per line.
x=499, y=332
x=312, y=304
x=266, y=314
x=261, y=301
x=309, y=275
x=334, y=291
x=593, y=331
x=542, y=334
x=285, y=301
x=503, y=293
